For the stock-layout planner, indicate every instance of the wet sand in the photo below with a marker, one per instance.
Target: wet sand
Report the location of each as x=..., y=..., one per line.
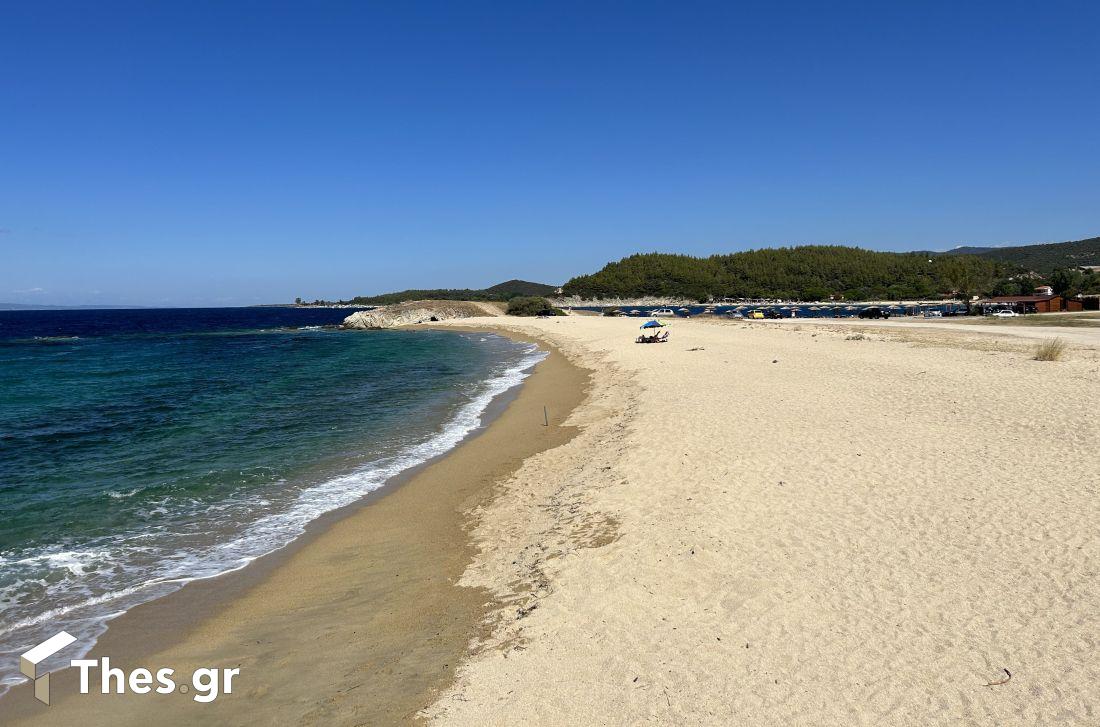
x=360, y=621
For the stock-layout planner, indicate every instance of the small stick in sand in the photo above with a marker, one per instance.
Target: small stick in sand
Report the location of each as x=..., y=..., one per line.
x=1006, y=680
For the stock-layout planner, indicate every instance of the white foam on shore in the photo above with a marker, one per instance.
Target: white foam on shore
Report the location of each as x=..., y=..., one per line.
x=87, y=619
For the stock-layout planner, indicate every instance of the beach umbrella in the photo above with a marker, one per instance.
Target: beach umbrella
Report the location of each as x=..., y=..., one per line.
x=652, y=324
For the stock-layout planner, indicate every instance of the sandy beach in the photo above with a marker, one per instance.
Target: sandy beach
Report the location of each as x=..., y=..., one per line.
x=753, y=523
x=777, y=524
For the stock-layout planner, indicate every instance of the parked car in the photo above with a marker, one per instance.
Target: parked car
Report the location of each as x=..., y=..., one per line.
x=1005, y=313
x=666, y=312
x=874, y=312
x=761, y=313
x=933, y=314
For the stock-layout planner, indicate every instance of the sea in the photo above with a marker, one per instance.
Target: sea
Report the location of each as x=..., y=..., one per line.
x=143, y=449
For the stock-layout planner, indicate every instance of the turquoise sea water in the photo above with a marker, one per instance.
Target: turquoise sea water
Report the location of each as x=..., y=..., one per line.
x=143, y=449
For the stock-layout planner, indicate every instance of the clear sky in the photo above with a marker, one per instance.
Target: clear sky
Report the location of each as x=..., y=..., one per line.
x=233, y=153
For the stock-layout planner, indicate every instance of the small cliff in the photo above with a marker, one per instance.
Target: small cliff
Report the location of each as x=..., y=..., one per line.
x=419, y=311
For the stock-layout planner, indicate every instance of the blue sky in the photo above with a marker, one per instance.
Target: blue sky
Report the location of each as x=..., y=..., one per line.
x=228, y=153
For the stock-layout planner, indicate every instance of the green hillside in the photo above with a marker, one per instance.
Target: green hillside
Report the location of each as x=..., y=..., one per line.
x=813, y=272
x=1044, y=258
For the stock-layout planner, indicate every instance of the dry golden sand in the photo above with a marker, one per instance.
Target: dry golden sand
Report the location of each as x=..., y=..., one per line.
x=771, y=525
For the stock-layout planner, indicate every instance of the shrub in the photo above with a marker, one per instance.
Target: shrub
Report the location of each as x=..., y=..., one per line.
x=1050, y=350
x=532, y=306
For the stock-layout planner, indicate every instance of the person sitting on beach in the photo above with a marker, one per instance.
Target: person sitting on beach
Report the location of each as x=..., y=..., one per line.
x=655, y=338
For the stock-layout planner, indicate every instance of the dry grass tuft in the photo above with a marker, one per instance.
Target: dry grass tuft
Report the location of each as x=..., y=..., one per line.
x=1050, y=350
x=856, y=337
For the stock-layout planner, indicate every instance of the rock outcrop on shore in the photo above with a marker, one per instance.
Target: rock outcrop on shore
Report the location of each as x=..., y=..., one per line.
x=419, y=311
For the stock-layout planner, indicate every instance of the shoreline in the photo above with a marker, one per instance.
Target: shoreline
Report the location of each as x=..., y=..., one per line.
x=490, y=396
x=416, y=524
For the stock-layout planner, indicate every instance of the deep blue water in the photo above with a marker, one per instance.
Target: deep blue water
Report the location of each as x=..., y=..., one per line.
x=140, y=449
x=68, y=323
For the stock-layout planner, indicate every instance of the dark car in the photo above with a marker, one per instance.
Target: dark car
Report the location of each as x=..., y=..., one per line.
x=874, y=312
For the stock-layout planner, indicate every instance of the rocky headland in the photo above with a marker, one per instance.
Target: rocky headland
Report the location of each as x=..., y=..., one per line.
x=419, y=311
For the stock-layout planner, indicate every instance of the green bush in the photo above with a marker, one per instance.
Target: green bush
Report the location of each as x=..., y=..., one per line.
x=532, y=306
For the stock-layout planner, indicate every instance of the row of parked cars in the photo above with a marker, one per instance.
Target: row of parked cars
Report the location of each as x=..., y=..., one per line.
x=873, y=312
x=882, y=313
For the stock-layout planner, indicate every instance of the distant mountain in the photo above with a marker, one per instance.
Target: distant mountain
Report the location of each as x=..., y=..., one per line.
x=522, y=287
x=500, y=292
x=967, y=250
x=1043, y=258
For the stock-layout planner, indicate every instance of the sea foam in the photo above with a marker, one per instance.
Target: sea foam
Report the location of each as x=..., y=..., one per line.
x=87, y=618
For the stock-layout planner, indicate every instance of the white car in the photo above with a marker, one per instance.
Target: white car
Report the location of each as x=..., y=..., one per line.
x=1005, y=313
